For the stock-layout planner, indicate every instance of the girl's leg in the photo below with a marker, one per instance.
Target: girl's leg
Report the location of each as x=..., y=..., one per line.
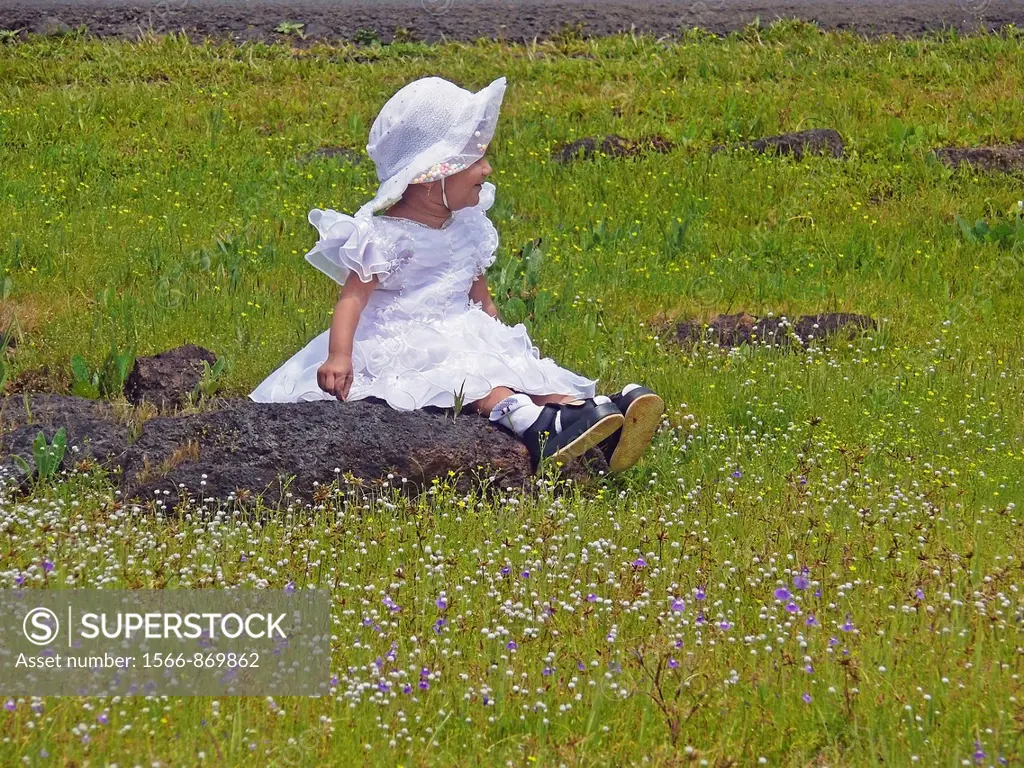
x=496, y=395
x=485, y=404
x=542, y=399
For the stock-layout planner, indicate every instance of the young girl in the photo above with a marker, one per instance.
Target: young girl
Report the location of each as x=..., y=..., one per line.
x=414, y=324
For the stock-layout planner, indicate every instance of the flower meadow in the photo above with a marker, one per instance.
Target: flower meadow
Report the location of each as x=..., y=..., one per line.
x=819, y=561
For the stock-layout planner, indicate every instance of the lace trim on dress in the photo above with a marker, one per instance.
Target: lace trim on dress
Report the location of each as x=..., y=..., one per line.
x=446, y=225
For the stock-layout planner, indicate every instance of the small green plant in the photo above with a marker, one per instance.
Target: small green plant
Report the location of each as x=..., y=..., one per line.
x=402, y=35
x=1007, y=233
x=460, y=398
x=291, y=28
x=105, y=381
x=86, y=381
x=212, y=378
x=48, y=455
x=9, y=35
x=516, y=289
x=366, y=37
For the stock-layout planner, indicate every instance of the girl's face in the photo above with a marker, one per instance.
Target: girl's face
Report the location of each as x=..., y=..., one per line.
x=463, y=188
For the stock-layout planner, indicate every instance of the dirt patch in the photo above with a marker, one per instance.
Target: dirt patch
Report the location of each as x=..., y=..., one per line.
x=522, y=20
x=743, y=328
x=812, y=142
x=610, y=146
x=1006, y=158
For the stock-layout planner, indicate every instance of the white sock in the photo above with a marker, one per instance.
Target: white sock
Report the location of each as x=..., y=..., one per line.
x=629, y=388
x=517, y=412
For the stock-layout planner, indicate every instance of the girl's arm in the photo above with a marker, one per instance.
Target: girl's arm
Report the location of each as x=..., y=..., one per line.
x=481, y=293
x=335, y=374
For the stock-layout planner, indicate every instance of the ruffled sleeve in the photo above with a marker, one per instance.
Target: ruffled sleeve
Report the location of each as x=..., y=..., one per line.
x=350, y=244
x=487, y=242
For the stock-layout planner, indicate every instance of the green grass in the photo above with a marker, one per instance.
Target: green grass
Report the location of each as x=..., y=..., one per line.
x=154, y=194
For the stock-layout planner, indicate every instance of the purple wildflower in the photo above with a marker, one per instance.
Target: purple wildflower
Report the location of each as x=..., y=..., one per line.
x=672, y=663
x=700, y=594
x=525, y=574
x=737, y=474
x=803, y=480
x=289, y=588
x=591, y=598
x=547, y=671
x=580, y=666
x=441, y=603
x=243, y=558
x=782, y=594
x=424, y=685
x=639, y=563
x=847, y=626
x=792, y=607
x=438, y=624
x=807, y=698
x=333, y=681
x=919, y=593
x=809, y=669
x=678, y=605
x=800, y=581
x=102, y=718
x=511, y=645
x=979, y=753
x=10, y=705
x=833, y=642
x=47, y=566
x=700, y=617
x=724, y=625
x=406, y=688
x=505, y=570
x=19, y=579
x=486, y=700
x=383, y=686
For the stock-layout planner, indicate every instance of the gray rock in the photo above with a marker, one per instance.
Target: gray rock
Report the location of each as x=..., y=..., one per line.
x=50, y=25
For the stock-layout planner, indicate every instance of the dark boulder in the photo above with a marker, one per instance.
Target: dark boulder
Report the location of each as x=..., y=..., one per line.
x=813, y=141
x=248, y=446
x=247, y=449
x=166, y=379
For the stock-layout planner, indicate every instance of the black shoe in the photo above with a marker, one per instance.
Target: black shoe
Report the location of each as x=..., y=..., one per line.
x=641, y=410
x=584, y=425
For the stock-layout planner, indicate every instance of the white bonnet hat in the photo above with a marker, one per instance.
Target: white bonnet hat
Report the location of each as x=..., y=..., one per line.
x=430, y=128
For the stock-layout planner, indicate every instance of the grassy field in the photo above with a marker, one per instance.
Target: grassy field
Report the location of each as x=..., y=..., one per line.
x=818, y=563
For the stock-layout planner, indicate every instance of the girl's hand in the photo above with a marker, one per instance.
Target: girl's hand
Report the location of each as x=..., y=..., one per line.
x=335, y=376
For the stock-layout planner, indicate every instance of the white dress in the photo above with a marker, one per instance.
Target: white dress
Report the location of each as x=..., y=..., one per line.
x=420, y=339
